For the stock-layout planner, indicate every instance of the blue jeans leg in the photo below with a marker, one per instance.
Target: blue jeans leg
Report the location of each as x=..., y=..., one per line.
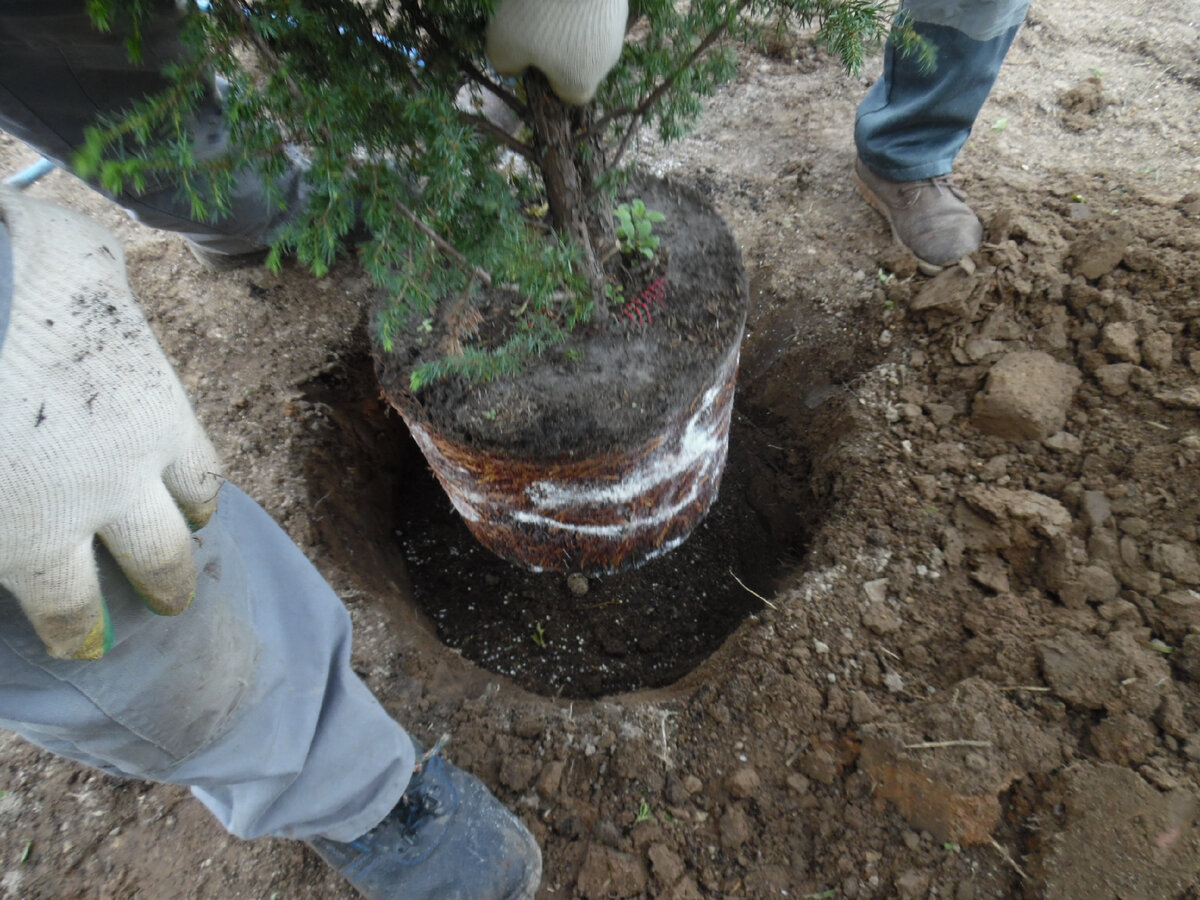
x=912, y=124
x=247, y=697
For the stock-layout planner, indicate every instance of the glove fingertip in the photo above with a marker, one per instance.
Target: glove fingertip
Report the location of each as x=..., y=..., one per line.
x=99, y=640
x=198, y=517
x=173, y=590
x=166, y=607
x=194, y=481
x=572, y=89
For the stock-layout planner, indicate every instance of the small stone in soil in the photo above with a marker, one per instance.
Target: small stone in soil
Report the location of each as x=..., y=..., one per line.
x=577, y=584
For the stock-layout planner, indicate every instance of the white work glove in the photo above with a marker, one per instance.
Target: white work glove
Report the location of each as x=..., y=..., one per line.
x=573, y=42
x=96, y=436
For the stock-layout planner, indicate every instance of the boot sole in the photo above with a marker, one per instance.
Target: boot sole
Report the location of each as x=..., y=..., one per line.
x=880, y=207
x=226, y=262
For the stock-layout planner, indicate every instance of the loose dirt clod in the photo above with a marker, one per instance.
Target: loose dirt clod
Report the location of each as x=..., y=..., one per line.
x=1025, y=397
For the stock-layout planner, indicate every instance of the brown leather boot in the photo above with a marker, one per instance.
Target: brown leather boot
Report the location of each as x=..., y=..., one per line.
x=929, y=217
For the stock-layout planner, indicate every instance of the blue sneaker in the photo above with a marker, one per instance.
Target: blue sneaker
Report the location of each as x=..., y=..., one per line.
x=448, y=838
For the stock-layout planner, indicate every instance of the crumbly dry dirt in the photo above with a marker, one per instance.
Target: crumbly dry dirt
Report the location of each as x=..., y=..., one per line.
x=979, y=675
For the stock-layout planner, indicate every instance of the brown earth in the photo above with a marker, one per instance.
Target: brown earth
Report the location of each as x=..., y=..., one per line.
x=977, y=676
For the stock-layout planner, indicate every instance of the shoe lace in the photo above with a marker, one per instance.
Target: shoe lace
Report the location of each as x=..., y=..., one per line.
x=414, y=807
x=912, y=192
x=412, y=810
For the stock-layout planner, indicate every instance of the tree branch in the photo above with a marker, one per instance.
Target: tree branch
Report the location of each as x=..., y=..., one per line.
x=486, y=126
x=467, y=66
x=508, y=98
x=232, y=14
x=663, y=86
x=442, y=244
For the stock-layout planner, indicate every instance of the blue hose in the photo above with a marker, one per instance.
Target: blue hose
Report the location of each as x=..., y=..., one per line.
x=28, y=176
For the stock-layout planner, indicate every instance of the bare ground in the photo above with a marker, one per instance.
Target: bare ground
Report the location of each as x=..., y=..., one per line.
x=979, y=678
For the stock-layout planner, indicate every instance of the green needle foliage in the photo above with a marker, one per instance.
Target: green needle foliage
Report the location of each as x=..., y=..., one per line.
x=368, y=92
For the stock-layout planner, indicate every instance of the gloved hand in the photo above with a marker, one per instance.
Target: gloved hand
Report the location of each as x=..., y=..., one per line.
x=96, y=436
x=573, y=42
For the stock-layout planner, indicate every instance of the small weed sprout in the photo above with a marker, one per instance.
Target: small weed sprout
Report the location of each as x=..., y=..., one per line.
x=614, y=294
x=644, y=813
x=635, y=228
x=539, y=635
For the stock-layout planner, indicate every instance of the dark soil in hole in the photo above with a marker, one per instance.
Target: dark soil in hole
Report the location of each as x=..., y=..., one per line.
x=642, y=628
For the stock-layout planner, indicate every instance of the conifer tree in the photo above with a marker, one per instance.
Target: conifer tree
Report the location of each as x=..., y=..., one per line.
x=383, y=97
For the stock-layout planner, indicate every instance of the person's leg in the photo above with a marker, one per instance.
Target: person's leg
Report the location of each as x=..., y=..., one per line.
x=912, y=123
x=58, y=74
x=247, y=697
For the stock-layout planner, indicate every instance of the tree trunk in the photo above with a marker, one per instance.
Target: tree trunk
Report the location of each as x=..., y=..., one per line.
x=570, y=170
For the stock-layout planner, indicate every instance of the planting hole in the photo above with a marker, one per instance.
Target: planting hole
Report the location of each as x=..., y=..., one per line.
x=382, y=516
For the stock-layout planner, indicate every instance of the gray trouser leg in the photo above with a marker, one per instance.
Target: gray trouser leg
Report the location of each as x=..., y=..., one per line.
x=247, y=696
x=58, y=74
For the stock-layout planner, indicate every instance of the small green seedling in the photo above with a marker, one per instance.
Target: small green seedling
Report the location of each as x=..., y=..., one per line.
x=644, y=813
x=1000, y=125
x=635, y=228
x=539, y=635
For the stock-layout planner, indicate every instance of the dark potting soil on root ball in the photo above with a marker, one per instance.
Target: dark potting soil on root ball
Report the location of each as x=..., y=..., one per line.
x=609, y=385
